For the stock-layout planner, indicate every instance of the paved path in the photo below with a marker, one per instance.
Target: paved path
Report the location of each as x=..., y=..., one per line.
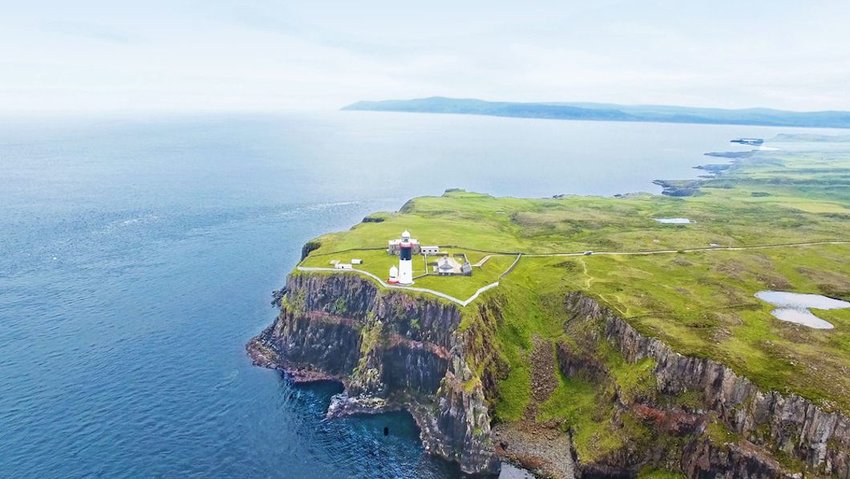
x=483, y=260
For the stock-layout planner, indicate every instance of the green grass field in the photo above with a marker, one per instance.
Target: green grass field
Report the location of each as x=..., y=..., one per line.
x=700, y=303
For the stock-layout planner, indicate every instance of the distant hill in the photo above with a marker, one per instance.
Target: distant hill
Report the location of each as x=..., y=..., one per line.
x=611, y=112
x=812, y=137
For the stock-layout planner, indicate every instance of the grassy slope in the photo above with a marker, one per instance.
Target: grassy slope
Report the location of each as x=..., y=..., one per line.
x=700, y=303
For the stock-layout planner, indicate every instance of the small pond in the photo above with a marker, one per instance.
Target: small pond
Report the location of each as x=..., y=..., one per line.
x=673, y=221
x=794, y=307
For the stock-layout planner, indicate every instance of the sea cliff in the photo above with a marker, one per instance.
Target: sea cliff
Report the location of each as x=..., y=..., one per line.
x=726, y=428
x=391, y=350
x=397, y=350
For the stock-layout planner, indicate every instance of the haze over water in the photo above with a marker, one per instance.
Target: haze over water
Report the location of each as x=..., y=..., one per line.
x=137, y=258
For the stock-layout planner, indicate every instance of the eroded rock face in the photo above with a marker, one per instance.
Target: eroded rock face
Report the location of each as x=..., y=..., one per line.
x=316, y=341
x=783, y=424
x=702, y=459
x=343, y=295
x=458, y=426
x=391, y=350
x=414, y=367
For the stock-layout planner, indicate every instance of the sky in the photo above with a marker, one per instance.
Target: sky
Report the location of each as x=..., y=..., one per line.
x=185, y=56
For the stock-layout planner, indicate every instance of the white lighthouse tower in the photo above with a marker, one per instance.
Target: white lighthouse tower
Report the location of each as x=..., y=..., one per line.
x=405, y=259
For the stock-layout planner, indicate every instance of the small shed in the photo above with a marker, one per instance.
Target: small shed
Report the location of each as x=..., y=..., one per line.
x=432, y=250
x=356, y=261
x=466, y=269
x=342, y=266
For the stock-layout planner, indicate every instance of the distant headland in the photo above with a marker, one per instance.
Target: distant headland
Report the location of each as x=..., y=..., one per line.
x=612, y=112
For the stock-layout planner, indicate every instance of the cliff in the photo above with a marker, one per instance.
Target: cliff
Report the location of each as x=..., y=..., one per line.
x=391, y=350
x=395, y=350
x=731, y=428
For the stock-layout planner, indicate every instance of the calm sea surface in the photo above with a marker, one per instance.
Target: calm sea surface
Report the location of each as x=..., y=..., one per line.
x=138, y=257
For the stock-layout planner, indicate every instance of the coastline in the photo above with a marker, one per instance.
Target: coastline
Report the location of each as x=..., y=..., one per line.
x=517, y=442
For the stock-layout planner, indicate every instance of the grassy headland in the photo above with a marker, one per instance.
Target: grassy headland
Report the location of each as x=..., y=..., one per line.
x=697, y=296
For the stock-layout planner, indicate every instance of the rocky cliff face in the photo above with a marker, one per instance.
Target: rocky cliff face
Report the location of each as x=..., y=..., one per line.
x=457, y=427
x=705, y=459
x=764, y=425
x=396, y=350
x=391, y=350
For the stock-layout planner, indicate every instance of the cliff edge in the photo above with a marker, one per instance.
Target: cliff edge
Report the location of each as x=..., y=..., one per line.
x=396, y=350
x=391, y=350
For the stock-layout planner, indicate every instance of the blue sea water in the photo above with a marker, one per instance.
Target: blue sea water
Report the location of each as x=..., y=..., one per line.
x=137, y=257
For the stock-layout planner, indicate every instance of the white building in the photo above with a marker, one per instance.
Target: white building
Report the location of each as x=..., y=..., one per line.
x=393, y=275
x=445, y=267
x=432, y=250
x=356, y=261
x=449, y=266
x=343, y=266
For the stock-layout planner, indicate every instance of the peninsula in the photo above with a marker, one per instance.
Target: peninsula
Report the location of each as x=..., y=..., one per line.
x=611, y=112
x=634, y=336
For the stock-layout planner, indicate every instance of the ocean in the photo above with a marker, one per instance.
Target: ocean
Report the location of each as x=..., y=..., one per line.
x=138, y=256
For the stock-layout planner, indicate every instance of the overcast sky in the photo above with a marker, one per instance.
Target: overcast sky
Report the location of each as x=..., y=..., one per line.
x=95, y=55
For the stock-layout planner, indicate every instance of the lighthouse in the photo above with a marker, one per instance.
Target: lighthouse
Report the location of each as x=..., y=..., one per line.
x=405, y=247
x=405, y=259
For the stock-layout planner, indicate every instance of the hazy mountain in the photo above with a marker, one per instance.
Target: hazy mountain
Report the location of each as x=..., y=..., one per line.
x=611, y=112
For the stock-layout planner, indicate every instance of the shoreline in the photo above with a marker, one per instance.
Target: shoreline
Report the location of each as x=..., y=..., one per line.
x=343, y=406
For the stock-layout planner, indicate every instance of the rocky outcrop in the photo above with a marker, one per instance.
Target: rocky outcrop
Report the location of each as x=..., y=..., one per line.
x=318, y=341
x=309, y=247
x=705, y=459
x=391, y=350
x=573, y=363
x=679, y=187
x=414, y=366
x=782, y=425
x=457, y=427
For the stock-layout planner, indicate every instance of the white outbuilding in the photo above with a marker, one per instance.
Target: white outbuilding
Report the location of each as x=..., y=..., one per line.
x=445, y=267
